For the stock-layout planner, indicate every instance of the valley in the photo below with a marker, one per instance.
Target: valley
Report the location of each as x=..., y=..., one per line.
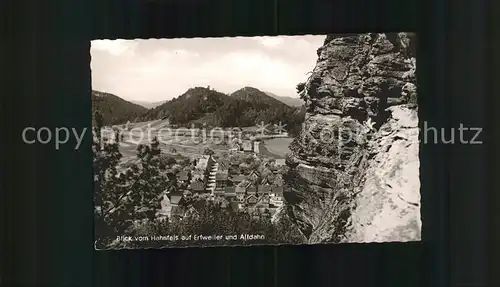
x=338, y=164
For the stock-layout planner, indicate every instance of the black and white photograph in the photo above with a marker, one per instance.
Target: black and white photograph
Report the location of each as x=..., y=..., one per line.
x=241, y=141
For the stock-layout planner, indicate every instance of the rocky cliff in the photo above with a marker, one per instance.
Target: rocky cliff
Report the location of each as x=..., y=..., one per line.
x=354, y=169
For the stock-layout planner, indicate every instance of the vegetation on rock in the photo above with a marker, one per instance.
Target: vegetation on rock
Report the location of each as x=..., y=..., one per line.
x=123, y=198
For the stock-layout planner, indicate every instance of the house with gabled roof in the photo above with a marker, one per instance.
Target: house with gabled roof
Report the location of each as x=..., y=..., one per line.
x=235, y=206
x=219, y=192
x=286, y=189
x=273, y=209
x=224, y=204
x=255, y=213
x=223, y=165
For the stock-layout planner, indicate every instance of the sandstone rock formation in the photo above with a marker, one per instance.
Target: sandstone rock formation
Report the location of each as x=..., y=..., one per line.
x=354, y=169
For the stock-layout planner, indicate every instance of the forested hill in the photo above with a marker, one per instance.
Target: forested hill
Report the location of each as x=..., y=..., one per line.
x=243, y=108
x=114, y=109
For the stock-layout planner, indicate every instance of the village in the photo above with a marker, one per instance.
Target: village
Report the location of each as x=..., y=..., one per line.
x=241, y=180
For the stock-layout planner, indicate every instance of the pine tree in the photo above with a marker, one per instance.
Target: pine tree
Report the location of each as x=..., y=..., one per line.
x=106, y=157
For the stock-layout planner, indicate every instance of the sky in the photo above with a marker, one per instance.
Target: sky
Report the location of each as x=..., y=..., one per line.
x=160, y=69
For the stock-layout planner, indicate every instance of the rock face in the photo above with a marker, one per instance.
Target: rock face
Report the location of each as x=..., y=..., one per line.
x=354, y=169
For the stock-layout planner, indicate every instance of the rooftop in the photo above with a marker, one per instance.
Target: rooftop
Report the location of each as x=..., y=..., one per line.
x=280, y=162
x=238, y=178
